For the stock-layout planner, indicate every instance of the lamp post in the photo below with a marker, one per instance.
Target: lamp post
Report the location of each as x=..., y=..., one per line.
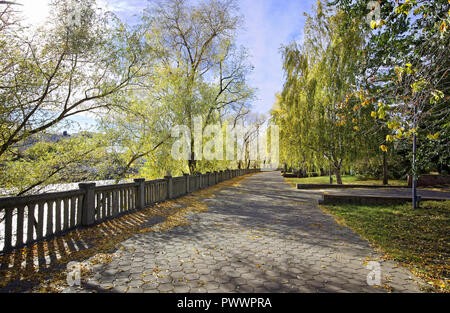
x=413, y=182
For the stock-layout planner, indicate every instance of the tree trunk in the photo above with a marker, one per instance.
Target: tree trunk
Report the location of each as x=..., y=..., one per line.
x=338, y=176
x=192, y=163
x=192, y=166
x=337, y=171
x=330, y=173
x=385, y=169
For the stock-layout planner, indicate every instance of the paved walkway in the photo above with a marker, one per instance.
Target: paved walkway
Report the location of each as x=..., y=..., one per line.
x=262, y=236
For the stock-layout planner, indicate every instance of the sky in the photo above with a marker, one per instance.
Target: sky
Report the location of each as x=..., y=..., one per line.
x=268, y=24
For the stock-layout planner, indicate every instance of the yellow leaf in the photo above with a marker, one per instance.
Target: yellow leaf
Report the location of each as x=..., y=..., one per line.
x=433, y=137
x=443, y=27
x=373, y=24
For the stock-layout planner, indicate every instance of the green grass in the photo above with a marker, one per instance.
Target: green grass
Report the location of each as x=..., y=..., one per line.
x=348, y=180
x=418, y=238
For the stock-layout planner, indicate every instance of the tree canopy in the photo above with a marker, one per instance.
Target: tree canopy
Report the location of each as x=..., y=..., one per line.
x=355, y=86
x=180, y=62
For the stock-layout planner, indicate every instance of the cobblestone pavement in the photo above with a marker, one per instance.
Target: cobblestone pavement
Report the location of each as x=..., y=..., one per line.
x=262, y=236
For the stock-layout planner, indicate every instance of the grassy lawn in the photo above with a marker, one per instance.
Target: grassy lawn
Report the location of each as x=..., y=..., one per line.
x=348, y=180
x=416, y=238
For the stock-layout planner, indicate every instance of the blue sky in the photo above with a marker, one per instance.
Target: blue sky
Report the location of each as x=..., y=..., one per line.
x=268, y=24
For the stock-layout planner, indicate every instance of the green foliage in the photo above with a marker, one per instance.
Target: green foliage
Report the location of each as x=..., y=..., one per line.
x=316, y=117
x=138, y=82
x=434, y=154
x=47, y=162
x=202, y=72
x=404, y=72
x=56, y=71
x=383, y=81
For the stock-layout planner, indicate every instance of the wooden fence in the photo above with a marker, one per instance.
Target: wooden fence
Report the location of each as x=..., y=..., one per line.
x=27, y=219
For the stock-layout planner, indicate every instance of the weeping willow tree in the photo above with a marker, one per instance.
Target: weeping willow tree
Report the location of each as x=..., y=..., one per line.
x=319, y=126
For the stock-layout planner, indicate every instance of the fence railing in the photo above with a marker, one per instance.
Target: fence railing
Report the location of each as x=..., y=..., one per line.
x=27, y=219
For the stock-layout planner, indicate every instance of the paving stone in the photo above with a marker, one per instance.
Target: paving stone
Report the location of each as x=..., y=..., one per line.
x=192, y=276
x=165, y=287
x=182, y=289
x=121, y=288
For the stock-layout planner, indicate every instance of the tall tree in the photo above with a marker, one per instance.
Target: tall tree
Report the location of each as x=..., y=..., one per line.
x=319, y=76
x=62, y=69
x=199, y=47
x=406, y=71
x=72, y=65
